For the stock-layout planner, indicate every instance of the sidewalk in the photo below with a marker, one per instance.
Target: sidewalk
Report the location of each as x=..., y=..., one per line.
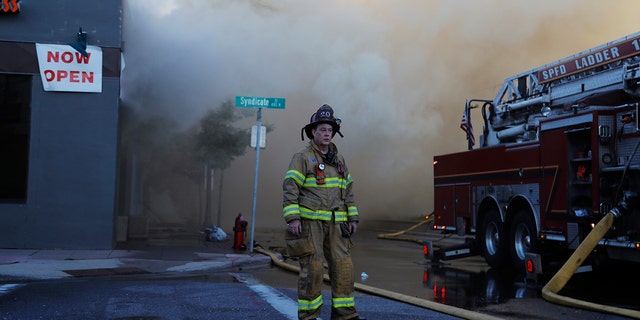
x=152, y=256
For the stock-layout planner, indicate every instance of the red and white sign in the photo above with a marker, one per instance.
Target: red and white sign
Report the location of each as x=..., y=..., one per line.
x=62, y=68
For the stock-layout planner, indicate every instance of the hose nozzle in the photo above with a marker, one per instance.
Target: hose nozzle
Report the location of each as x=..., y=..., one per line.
x=628, y=201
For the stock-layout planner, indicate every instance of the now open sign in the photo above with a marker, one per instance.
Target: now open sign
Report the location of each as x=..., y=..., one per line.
x=62, y=68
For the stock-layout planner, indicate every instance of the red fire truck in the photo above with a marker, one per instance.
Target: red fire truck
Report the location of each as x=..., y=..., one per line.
x=557, y=151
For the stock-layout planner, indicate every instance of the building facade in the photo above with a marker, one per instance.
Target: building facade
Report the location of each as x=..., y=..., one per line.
x=59, y=110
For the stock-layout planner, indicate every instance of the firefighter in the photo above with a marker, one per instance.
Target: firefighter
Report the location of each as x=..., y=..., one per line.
x=319, y=208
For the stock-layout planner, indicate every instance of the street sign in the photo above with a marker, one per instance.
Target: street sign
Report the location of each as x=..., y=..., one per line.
x=257, y=138
x=254, y=136
x=260, y=102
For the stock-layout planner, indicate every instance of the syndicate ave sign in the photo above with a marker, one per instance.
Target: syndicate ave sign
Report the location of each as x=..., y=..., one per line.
x=260, y=102
x=62, y=68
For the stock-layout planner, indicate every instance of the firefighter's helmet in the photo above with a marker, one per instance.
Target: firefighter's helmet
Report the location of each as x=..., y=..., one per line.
x=323, y=115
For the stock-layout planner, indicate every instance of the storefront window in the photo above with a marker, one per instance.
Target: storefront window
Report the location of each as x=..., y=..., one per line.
x=15, y=123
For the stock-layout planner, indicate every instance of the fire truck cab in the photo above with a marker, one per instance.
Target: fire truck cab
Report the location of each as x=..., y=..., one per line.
x=558, y=150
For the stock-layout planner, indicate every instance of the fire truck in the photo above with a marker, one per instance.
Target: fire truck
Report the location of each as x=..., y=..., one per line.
x=557, y=151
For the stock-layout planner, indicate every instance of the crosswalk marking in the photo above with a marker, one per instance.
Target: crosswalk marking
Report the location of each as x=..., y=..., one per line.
x=7, y=288
x=277, y=300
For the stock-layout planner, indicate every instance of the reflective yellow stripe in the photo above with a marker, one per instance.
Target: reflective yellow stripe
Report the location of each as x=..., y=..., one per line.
x=352, y=211
x=340, y=216
x=297, y=176
x=335, y=182
x=310, y=305
x=322, y=214
x=291, y=209
x=343, y=302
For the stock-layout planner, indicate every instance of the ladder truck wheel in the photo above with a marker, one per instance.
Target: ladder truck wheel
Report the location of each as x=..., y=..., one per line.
x=522, y=238
x=493, y=240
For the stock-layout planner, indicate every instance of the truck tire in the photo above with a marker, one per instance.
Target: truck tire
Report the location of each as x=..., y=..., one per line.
x=522, y=238
x=493, y=240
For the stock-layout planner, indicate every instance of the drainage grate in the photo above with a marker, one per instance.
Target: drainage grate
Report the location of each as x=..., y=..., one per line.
x=105, y=272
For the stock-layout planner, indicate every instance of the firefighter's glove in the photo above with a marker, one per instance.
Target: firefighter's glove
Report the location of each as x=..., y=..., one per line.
x=353, y=227
x=295, y=227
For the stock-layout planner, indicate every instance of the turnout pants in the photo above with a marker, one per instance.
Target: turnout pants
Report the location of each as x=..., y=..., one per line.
x=335, y=249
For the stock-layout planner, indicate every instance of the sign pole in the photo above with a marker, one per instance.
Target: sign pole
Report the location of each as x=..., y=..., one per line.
x=255, y=180
x=257, y=102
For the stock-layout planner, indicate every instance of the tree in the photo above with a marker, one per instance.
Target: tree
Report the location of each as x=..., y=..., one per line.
x=218, y=143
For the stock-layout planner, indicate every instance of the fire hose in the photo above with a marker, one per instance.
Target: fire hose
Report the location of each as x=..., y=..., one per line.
x=393, y=236
x=458, y=312
x=461, y=313
x=551, y=289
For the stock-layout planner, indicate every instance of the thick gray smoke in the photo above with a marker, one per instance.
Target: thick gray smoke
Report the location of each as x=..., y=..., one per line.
x=397, y=73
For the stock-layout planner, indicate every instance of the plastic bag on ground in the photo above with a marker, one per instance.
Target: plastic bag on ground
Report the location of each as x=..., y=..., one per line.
x=215, y=233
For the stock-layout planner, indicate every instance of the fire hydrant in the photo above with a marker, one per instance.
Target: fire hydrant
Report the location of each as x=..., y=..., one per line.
x=239, y=231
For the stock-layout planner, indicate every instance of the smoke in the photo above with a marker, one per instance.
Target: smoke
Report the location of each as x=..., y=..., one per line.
x=396, y=72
